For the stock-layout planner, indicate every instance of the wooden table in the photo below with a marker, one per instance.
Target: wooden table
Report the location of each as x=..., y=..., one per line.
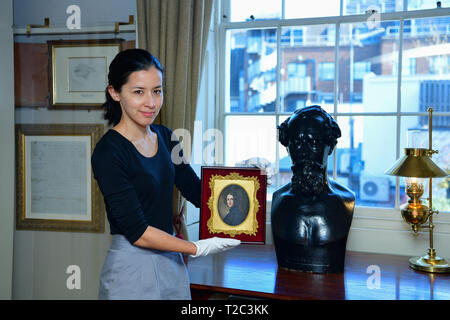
x=252, y=271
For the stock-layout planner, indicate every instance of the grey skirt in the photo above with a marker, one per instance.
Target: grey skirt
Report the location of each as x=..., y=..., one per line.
x=131, y=272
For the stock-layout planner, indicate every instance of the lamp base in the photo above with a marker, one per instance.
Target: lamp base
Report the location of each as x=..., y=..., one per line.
x=433, y=264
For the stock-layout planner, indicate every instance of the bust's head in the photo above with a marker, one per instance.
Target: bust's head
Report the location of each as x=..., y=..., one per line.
x=310, y=136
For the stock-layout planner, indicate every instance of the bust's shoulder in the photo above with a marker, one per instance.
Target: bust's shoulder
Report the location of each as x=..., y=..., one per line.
x=281, y=191
x=340, y=191
x=337, y=193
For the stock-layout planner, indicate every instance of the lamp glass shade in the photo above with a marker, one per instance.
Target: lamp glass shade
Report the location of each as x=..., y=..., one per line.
x=417, y=138
x=416, y=163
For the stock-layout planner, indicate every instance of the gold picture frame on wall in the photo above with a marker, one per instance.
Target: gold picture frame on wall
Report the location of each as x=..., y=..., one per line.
x=55, y=187
x=78, y=72
x=233, y=203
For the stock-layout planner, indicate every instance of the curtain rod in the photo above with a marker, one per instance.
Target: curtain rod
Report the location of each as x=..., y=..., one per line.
x=85, y=30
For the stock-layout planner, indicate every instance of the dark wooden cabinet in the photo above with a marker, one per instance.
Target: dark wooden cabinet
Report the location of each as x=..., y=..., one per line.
x=251, y=271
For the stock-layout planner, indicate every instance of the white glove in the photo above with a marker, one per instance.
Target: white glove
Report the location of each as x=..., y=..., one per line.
x=214, y=245
x=263, y=164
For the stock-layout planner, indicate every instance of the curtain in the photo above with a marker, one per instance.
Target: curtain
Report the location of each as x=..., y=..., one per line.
x=176, y=32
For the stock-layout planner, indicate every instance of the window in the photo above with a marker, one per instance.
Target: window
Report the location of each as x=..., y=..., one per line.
x=326, y=71
x=292, y=37
x=348, y=63
x=296, y=69
x=360, y=69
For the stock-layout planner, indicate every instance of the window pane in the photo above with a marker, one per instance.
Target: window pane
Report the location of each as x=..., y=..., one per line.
x=302, y=9
x=363, y=156
x=248, y=137
x=248, y=10
x=428, y=84
x=307, y=67
x=426, y=4
x=252, y=65
x=358, y=6
x=441, y=143
x=368, y=56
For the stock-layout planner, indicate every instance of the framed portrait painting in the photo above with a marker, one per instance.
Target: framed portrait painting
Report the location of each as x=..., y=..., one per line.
x=78, y=73
x=56, y=190
x=233, y=204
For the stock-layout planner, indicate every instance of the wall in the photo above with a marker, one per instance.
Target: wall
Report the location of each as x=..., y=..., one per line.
x=41, y=258
x=7, y=143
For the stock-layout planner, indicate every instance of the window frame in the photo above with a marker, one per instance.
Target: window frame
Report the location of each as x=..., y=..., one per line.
x=223, y=26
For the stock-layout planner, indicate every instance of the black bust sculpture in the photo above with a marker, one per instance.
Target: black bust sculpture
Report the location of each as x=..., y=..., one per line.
x=311, y=215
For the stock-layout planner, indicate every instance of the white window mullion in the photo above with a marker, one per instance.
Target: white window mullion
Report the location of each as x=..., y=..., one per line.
x=278, y=106
x=336, y=85
x=399, y=109
x=220, y=70
x=337, y=36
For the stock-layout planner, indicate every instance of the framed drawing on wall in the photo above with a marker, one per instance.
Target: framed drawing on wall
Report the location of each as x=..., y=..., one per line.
x=55, y=187
x=233, y=203
x=78, y=72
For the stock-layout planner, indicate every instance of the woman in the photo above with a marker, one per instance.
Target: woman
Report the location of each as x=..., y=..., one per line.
x=134, y=170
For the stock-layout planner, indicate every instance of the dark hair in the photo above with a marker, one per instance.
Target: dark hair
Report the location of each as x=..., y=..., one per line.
x=331, y=129
x=125, y=63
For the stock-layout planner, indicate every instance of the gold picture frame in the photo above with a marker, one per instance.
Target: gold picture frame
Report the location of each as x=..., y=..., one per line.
x=233, y=203
x=248, y=186
x=78, y=72
x=55, y=187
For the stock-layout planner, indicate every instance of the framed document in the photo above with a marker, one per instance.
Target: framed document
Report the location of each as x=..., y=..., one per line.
x=56, y=190
x=78, y=72
x=233, y=204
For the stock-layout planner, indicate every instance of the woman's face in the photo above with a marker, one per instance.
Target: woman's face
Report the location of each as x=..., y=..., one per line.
x=141, y=97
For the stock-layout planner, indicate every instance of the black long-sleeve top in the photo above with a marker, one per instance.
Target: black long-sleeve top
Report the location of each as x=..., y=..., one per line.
x=137, y=190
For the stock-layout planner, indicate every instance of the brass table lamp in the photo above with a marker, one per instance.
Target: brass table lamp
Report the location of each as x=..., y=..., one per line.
x=416, y=164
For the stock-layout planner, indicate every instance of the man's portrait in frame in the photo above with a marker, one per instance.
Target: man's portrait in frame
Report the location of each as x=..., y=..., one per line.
x=233, y=205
